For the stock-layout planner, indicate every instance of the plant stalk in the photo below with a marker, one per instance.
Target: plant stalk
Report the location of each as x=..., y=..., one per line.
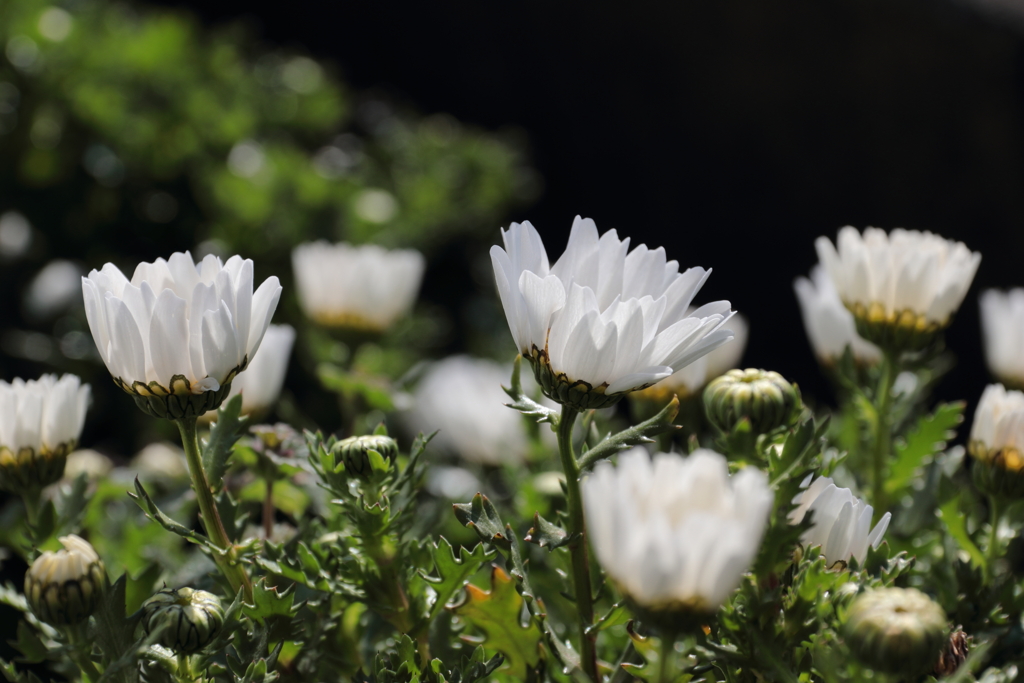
x=992, y=551
x=228, y=563
x=883, y=433
x=668, y=643
x=578, y=547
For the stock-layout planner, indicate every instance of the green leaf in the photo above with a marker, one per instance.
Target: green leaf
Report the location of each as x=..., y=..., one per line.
x=31, y=647
x=956, y=525
x=617, y=615
x=928, y=438
x=268, y=601
x=481, y=516
x=71, y=505
x=547, y=535
x=140, y=586
x=523, y=403
x=452, y=571
x=114, y=632
x=498, y=614
x=373, y=390
x=157, y=515
x=634, y=436
x=223, y=435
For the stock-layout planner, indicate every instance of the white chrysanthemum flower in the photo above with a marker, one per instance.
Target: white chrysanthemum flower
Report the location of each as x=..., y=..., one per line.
x=600, y=323
x=841, y=521
x=690, y=380
x=177, y=333
x=1002, y=326
x=462, y=397
x=359, y=287
x=676, y=534
x=260, y=383
x=997, y=442
x=829, y=325
x=902, y=287
x=40, y=424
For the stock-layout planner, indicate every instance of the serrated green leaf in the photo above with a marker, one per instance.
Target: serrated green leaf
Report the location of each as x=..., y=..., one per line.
x=149, y=507
x=452, y=572
x=497, y=613
x=223, y=435
x=928, y=438
x=31, y=647
x=481, y=516
x=114, y=632
x=547, y=535
x=956, y=525
x=268, y=601
x=636, y=435
x=617, y=615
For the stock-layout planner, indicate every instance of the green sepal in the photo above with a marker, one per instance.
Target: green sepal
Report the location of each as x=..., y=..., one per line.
x=523, y=403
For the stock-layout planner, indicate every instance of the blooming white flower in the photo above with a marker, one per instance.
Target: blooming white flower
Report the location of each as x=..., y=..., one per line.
x=829, y=325
x=676, y=534
x=1002, y=326
x=691, y=379
x=360, y=287
x=178, y=329
x=998, y=429
x=40, y=423
x=600, y=323
x=260, y=383
x=902, y=287
x=462, y=397
x=841, y=521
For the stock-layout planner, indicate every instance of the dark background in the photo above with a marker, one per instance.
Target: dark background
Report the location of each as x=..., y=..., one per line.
x=731, y=132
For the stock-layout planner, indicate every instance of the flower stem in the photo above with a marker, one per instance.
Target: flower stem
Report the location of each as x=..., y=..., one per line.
x=992, y=551
x=268, y=510
x=883, y=433
x=668, y=643
x=578, y=547
x=80, y=654
x=228, y=563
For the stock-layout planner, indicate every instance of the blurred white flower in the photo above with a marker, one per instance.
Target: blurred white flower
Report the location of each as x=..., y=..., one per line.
x=829, y=326
x=462, y=397
x=178, y=329
x=360, y=287
x=260, y=383
x=676, y=534
x=902, y=287
x=600, y=323
x=691, y=379
x=997, y=442
x=1002, y=326
x=92, y=464
x=841, y=521
x=55, y=287
x=160, y=461
x=40, y=423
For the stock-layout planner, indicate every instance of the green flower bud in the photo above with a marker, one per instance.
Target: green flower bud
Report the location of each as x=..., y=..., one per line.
x=64, y=587
x=189, y=618
x=354, y=452
x=896, y=630
x=763, y=397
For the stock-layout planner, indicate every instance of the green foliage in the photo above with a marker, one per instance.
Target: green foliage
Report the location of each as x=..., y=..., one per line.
x=225, y=432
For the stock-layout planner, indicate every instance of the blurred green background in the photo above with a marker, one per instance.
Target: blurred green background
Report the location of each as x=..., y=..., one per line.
x=128, y=132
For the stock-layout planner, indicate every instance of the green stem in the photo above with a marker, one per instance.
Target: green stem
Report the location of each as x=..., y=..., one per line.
x=883, y=433
x=81, y=656
x=668, y=642
x=992, y=551
x=578, y=547
x=185, y=668
x=228, y=563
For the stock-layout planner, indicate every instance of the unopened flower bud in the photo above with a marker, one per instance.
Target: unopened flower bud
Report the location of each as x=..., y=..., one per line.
x=763, y=397
x=64, y=587
x=896, y=630
x=997, y=443
x=354, y=452
x=189, y=618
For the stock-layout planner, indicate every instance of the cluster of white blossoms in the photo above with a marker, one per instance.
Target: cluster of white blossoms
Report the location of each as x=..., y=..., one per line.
x=602, y=322
x=177, y=333
x=1002, y=326
x=356, y=287
x=676, y=534
x=902, y=287
x=462, y=397
x=841, y=522
x=829, y=325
